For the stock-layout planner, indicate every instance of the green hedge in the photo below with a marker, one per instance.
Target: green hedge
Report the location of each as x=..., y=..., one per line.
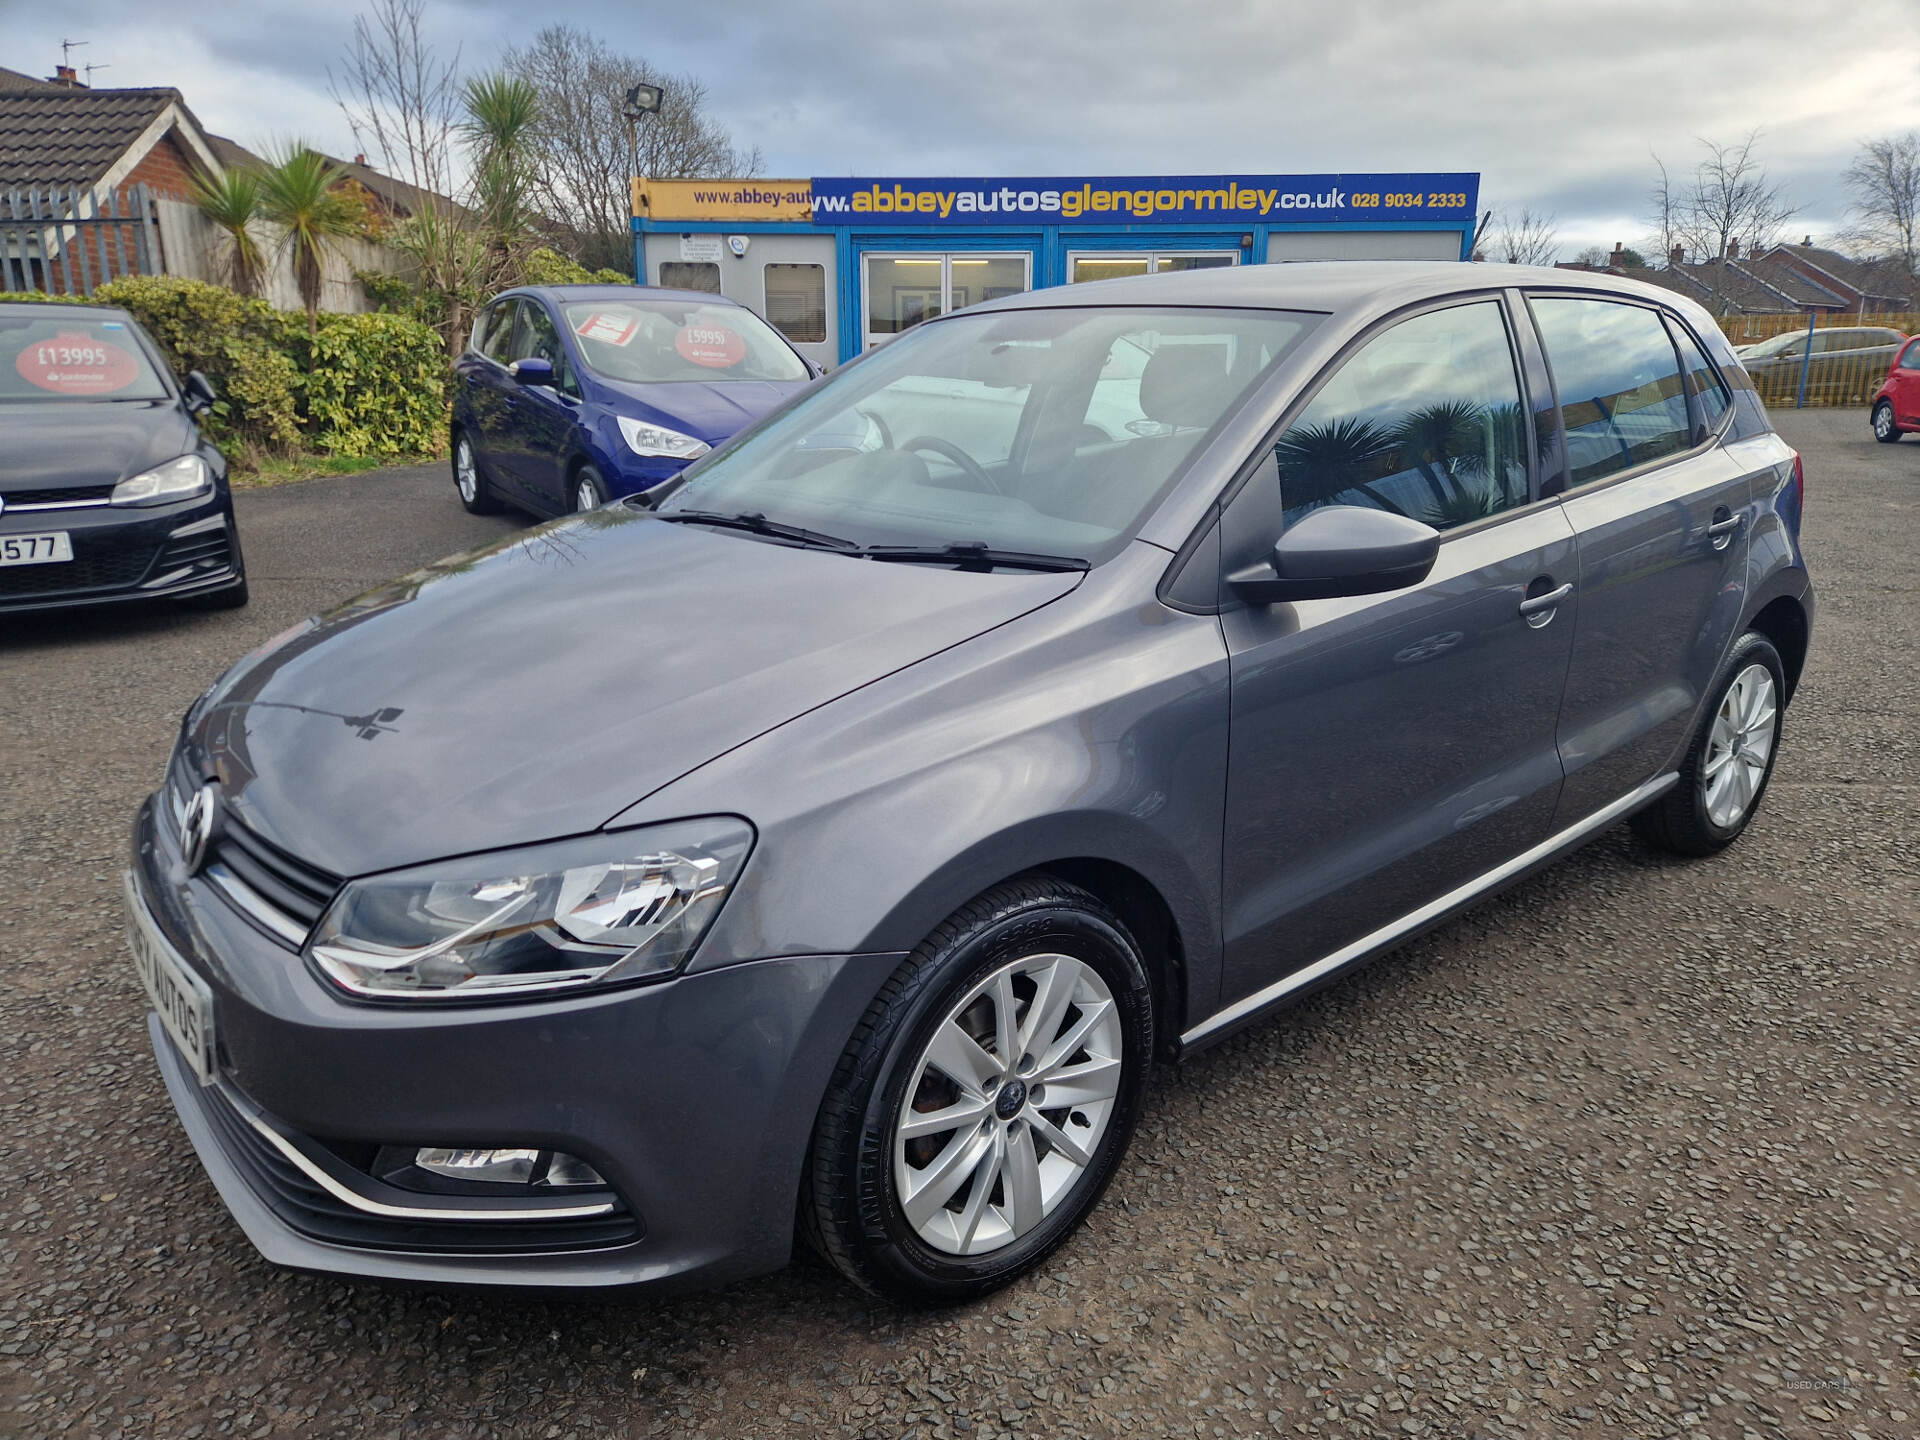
x=360, y=385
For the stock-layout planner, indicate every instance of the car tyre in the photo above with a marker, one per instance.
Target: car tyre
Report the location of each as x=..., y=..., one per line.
x=589, y=489
x=1064, y=972
x=470, y=478
x=1884, y=428
x=1731, y=759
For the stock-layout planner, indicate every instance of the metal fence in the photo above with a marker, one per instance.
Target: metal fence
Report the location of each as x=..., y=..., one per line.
x=67, y=241
x=1797, y=359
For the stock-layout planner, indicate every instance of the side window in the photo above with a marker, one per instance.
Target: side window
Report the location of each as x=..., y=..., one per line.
x=797, y=301
x=540, y=340
x=1910, y=360
x=1709, y=390
x=494, y=333
x=1425, y=421
x=701, y=275
x=1621, y=398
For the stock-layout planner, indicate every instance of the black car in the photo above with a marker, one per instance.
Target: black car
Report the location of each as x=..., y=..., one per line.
x=108, y=490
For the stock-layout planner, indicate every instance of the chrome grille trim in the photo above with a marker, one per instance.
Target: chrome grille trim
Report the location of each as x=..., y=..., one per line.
x=254, y=906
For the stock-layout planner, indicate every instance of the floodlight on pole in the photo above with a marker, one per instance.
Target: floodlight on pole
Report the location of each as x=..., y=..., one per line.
x=641, y=101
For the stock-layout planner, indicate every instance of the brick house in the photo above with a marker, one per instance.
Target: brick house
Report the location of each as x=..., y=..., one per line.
x=1783, y=279
x=61, y=133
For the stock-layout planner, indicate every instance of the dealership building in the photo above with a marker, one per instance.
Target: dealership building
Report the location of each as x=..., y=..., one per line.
x=842, y=264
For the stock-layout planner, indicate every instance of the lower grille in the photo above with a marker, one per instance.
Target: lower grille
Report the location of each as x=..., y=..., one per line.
x=97, y=564
x=209, y=552
x=311, y=1209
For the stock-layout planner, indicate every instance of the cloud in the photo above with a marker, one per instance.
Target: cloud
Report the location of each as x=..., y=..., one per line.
x=1557, y=104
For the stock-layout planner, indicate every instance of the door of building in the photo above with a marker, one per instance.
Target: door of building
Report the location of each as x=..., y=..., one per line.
x=899, y=291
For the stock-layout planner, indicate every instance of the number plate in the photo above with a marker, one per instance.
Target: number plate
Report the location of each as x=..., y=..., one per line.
x=180, y=998
x=47, y=549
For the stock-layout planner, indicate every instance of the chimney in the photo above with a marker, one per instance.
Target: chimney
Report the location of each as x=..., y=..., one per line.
x=1808, y=242
x=360, y=159
x=1676, y=257
x=67, y=75
x=1618, y=259
x=1733, y=248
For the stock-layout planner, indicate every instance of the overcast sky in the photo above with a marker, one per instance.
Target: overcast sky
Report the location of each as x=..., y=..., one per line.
x=1556, y=104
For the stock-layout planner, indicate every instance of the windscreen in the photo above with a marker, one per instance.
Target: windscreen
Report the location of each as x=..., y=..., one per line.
x=651, y=341
x=1048, y=431
x=77, y=357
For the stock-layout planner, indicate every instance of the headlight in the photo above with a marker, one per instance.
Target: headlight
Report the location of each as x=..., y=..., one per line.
x=180, y=479
x=603, y=910
x=645, y=439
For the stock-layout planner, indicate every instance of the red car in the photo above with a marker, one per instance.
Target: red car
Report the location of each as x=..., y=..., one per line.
x=1896, y=404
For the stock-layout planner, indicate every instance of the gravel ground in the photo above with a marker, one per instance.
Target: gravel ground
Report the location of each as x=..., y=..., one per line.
x=1629, y=1151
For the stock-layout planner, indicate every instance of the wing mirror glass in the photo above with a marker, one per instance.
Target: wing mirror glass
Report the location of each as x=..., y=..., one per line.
x=197, y=393
x=1341, y=550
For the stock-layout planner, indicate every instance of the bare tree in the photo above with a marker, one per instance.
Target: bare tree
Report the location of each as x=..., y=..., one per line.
x=581, y=157
x=400, y=96
x=1593, y=257
x=1525, y=238
x=1885, y=180
x=1728, y=197
x=1665, y=225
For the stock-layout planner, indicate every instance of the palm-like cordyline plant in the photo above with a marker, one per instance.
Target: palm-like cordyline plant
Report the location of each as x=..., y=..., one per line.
x=231, y=200
x=502, y=112
x=1440, y=441
x=1319, y=462
x=298, y=193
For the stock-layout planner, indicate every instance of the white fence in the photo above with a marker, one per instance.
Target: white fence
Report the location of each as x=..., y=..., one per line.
x=197, y=248
x=70, y=241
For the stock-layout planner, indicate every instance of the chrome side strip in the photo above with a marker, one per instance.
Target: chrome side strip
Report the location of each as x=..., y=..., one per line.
x=1433, y=909
x=347, y=1196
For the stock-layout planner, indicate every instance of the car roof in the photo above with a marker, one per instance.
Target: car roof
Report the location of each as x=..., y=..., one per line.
x=63, y=307
x=561, y=293
x=1340, y=288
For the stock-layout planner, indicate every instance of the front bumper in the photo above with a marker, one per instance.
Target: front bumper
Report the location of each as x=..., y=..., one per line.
x=123, y=554
x=695, y=1098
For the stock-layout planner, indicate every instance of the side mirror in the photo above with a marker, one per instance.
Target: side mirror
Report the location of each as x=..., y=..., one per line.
x=532, y=371
x=1341, y=550
x=197, y=393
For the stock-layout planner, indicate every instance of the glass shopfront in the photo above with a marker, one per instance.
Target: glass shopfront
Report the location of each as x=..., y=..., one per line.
x=902, y=290
x=1085, y=265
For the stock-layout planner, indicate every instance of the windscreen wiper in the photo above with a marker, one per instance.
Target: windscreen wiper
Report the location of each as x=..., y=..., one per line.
x=756, y=523
x=975, y=555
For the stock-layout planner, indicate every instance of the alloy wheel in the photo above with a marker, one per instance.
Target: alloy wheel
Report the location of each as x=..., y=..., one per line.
x=1740, y=746
x=585, y=498
x=465, y=475
x=1007, y=1104
x=1883, y=420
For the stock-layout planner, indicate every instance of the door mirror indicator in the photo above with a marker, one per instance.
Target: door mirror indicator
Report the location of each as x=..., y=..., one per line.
x=532, y=371
x=1341, y=550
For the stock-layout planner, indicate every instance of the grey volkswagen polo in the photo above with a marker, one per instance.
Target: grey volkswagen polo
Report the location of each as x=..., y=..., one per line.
x=828, y=845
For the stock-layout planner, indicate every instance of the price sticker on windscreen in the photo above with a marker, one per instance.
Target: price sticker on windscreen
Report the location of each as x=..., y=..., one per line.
x=714, y=346
x=76, y=363
x=609, y=327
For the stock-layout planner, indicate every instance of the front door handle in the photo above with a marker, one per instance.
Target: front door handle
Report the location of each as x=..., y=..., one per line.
x=1539, y=608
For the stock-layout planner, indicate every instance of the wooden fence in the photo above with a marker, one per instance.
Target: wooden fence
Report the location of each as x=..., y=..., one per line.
x=1840, y=358
x=67, y=241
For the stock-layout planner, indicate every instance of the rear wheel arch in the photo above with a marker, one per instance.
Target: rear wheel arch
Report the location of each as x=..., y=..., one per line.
x=1783, y=621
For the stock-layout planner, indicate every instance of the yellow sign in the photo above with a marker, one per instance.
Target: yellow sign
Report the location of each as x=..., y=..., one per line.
x=722, y=199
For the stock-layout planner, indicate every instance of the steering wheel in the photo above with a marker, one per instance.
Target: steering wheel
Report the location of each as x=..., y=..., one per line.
x=886, y=435
x=958, y=456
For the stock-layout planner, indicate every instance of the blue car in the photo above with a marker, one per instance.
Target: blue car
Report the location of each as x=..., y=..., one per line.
x=569, y=396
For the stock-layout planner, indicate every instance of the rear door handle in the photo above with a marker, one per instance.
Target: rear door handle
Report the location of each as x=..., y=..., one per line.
x=1724, y=527
x=1540, y=604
